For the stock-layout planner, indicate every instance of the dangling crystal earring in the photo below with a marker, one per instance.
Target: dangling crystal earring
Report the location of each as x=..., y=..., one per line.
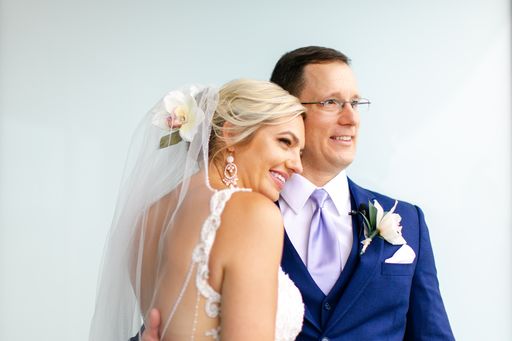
x=230, y=172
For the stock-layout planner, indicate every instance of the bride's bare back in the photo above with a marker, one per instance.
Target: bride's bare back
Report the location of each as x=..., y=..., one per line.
x=222, y=248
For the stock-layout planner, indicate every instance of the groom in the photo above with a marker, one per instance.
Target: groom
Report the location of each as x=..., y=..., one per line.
x=389, y=292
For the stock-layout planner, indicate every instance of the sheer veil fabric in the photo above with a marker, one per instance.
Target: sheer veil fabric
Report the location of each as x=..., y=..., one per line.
x=151, y=258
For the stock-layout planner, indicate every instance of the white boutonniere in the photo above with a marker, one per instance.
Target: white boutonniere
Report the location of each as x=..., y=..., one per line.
x=383, y=224
x=181, y=117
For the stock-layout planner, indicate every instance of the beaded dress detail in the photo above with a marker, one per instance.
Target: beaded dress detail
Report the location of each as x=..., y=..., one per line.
x=290, y=309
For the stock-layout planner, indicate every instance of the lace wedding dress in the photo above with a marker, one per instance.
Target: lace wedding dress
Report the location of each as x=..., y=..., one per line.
x=290, y=309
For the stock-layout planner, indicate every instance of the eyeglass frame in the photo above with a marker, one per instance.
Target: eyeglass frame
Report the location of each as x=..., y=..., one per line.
x=341, y=104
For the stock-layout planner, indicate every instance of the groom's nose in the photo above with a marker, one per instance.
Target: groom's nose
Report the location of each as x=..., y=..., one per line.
x=348, y=116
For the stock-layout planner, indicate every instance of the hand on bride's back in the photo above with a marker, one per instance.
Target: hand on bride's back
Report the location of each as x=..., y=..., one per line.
x=151, y=331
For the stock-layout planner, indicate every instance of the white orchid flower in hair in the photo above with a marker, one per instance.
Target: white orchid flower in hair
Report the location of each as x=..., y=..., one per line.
x=181, y=116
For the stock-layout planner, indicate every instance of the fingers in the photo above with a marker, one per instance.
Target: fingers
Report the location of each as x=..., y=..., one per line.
x=151, y=333
x=154, y=319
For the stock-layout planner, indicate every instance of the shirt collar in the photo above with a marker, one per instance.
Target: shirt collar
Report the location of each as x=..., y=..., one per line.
x=339, y=192
x=298, y=189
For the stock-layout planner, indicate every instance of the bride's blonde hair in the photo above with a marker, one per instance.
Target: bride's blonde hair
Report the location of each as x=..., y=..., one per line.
x=245, y=106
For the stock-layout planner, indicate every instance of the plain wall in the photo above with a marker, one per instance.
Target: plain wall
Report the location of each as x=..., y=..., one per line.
x=76, y=77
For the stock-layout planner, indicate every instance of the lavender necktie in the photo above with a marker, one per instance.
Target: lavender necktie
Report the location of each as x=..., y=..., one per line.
x=324, y=257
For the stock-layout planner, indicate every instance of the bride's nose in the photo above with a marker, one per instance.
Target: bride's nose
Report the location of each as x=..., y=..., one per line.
x=294, y=163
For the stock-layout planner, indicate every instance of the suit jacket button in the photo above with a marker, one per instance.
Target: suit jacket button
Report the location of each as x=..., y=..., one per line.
x=327, y=306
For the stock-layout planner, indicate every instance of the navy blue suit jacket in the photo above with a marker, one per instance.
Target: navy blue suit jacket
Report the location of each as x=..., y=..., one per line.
x=374, y=300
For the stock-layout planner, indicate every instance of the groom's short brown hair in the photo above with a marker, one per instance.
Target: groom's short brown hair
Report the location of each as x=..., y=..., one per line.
x=289, y=70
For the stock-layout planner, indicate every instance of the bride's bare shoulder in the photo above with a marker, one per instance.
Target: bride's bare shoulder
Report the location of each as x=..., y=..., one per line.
x=251, y=226
x=253, y=209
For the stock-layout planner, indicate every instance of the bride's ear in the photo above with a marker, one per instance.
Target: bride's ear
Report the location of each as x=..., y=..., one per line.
x=227, y=134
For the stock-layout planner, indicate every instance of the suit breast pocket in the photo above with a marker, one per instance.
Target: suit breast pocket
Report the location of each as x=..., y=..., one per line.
x=390, y=269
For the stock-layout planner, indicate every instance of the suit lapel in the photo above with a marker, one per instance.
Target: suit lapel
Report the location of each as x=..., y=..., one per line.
x=293, y=265
x=368, y=262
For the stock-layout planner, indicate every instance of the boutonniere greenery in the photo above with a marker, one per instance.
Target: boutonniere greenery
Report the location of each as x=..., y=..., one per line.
x=378, y=222
x=180, y=116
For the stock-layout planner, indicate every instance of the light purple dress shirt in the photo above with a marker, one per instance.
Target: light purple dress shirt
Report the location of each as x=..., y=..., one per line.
x=297, y=210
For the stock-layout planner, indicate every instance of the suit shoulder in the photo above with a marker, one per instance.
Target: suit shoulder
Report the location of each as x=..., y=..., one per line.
x=412, y=216
x=386, y=201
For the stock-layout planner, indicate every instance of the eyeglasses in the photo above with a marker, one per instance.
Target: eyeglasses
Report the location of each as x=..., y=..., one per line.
x=335, y=106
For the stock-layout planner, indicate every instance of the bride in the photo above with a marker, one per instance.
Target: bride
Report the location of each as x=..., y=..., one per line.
x=196, y=233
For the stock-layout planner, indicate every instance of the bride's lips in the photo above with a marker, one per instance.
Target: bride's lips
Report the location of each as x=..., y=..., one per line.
x=279, y=178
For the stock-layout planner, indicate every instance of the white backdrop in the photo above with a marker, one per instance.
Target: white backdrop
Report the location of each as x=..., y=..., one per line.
x=76, y=76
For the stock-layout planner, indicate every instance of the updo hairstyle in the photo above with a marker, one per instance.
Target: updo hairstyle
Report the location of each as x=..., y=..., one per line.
x=245, y=106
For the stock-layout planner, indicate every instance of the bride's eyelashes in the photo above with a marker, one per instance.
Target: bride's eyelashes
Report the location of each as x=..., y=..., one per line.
x=285, y=141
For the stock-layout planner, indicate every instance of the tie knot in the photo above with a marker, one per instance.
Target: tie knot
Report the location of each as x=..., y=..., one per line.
x=319, y=196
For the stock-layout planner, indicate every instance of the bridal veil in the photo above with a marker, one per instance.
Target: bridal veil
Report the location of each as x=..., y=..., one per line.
x=163, y=201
